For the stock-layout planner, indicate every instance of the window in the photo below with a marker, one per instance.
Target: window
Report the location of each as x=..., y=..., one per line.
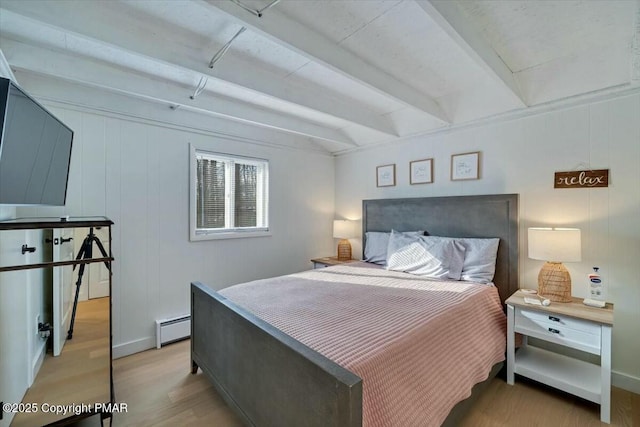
x=229, y=196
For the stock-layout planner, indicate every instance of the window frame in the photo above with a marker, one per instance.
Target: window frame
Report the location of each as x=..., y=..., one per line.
x=198, y=234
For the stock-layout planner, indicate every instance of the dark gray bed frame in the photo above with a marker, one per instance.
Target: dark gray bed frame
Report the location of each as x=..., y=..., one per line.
x=270, y=379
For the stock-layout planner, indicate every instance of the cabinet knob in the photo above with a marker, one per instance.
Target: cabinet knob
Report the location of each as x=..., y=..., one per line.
x=57, y=241
x=554, y=319
x=554, y=331
x=26, y=249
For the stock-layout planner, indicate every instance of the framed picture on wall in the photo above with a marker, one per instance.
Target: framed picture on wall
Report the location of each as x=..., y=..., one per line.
x=465, y=166
x=386, y=175
x=421, y=171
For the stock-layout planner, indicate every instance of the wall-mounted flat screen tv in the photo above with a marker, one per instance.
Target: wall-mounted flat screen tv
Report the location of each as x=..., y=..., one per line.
x=35, y=151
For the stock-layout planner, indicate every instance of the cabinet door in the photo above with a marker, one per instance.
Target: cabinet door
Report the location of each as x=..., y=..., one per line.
x=63, y=287
x=14, y=360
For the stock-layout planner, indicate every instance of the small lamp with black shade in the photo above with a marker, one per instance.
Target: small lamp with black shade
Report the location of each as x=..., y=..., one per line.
x=343, y=229
x=555, y=246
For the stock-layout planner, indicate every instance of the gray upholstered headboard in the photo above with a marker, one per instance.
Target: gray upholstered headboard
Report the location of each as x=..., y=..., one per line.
x=458, y=216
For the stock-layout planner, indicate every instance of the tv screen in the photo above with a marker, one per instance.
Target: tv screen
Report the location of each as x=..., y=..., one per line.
x=35, y=151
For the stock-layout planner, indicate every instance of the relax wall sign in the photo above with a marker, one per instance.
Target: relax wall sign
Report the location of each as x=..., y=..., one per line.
x=582, y=179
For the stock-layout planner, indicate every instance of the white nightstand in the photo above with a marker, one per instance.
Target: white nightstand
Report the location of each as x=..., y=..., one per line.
x=328, y=261
x=573, y=325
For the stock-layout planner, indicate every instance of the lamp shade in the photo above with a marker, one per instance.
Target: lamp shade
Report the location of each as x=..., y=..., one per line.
x=555, y=244
x=342, y=229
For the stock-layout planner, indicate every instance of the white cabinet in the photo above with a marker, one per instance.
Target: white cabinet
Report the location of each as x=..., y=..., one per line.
x=35, y=272
x=572, y=325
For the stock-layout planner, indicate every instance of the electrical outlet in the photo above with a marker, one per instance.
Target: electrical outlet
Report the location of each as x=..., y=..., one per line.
x=38, y=320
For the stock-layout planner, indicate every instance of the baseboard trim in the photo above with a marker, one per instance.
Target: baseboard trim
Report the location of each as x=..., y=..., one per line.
x=625, y=381
x=131, y=347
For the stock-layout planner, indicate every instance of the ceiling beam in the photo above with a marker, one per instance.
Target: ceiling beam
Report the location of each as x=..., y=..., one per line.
x=465, y=34
x=134, y=40
x=99, y=75
x=5, y=69
x=304, y=41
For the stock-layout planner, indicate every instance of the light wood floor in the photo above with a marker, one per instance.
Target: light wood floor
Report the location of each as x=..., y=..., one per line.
x=160, y=391
x=80, y=374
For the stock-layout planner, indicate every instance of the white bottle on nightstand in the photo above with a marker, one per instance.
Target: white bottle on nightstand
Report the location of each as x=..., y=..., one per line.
x=596, y=288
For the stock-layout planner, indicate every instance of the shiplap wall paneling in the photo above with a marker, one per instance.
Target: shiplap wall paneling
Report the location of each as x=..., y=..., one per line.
x=74, y=187
x=92, y=170
x=134, y=174
x=158, y=154
x=623, y=230
x=112, y=188
x=175, y=210
x=521, y=156
x=130, y=162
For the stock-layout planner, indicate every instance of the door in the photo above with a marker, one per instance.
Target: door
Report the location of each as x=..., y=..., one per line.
x=98, y=272
x=63, y=287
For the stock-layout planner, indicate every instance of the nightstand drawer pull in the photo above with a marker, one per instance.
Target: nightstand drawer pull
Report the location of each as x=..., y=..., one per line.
x=555, y=331
x=558, y=319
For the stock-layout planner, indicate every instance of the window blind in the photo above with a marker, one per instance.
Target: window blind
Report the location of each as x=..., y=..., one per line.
x=211, y=194
x=231, y=193
x=246, y=194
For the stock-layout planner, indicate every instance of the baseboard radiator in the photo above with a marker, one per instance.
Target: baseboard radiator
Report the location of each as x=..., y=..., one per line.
x=171, y=330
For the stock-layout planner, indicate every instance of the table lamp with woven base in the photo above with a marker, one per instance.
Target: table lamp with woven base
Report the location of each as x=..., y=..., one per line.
x=343, y=230
x=555, y=245
x=554, y=282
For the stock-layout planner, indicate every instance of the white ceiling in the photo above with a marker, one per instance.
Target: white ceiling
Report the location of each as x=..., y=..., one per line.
x=343, y=74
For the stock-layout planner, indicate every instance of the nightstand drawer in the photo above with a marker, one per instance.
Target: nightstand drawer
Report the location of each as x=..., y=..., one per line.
x=558, y=333
x=558, y=319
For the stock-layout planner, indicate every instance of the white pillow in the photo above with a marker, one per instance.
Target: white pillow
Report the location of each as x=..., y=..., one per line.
x=479, y=258
x=376, y=243
x=437, y=258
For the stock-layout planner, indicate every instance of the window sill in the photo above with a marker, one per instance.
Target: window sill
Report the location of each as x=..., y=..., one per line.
x=229, y=235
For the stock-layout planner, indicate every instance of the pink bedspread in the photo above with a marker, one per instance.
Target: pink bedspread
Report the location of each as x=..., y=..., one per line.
x=419, y=345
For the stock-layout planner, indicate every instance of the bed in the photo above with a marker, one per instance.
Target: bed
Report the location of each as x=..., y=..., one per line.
x=272, y=379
